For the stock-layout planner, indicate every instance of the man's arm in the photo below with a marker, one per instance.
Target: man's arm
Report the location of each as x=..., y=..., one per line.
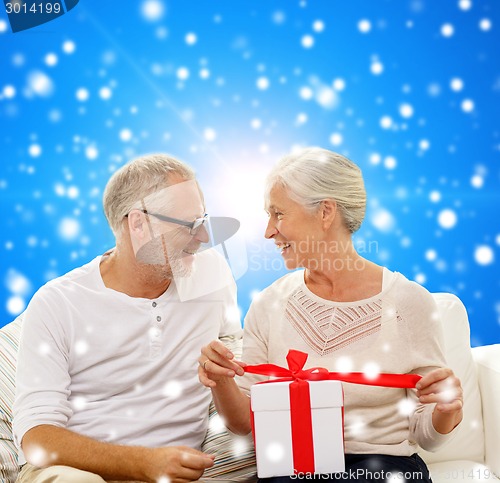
x=47, y=445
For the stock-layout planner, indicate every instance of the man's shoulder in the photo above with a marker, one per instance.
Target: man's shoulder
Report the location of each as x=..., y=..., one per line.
x=80, y=276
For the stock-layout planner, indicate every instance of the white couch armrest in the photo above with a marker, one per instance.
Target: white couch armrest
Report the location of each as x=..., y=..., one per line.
x=487, y=359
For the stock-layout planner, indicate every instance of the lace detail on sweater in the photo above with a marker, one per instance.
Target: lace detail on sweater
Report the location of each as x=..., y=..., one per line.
x=325, y=328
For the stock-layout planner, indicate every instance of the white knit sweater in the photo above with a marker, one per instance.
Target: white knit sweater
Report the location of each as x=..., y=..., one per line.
x=395, y=331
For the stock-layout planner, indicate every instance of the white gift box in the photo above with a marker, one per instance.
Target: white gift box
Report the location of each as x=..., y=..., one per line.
x=270, y=405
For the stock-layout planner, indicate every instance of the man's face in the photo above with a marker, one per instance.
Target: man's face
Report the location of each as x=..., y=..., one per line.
x=159, y=237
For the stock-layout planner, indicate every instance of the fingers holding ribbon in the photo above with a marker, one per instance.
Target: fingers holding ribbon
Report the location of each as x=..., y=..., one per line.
x=216, y=363
x=443, y=387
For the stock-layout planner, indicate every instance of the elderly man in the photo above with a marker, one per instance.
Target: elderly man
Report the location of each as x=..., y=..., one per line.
x=107, y=383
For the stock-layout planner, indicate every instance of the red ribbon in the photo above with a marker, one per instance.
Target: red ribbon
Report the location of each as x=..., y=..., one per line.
x=300, y=401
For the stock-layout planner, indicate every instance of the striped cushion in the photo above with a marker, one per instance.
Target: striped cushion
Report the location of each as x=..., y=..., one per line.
x=9, y=341
x=234, y=455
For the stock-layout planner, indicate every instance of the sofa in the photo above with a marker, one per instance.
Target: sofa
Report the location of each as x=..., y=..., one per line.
x=472, y=455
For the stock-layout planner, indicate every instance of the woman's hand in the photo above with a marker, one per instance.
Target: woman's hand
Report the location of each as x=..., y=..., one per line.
x=442, y=387
x=217, y=363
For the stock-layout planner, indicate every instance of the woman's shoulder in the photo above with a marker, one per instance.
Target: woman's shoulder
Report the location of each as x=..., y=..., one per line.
x=410, y=295
x=281, y=288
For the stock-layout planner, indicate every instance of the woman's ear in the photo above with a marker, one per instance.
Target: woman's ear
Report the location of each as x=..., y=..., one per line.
x=328, y=213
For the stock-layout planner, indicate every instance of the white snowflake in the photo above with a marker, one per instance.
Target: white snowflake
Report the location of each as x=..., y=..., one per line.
x=262, y=83
x=191, y=38
x=376, y=67
x=406, y=110
x=424, y=144
x=105, y=93
x=447, y=218
x=390, y=162
x=435, y=196
x=69, y=47
x=338, y=84
x=35, y=150
x=15, y=305
x=125, y=134
x=386, y=122
x=447, y=30
x=82, y=94
x=173, y=389
x=307, y=41
x=73, y=192
x=9, y=91
x=456, y=84
x=256, y=123
x=336, y=139
x=209, y=134
x=51, y=59
x=484, y=255
x=69, y=228
x=364, y=26
x=326, y=97
x=485, y=24
x=274, y=452
x=477, y=181
x=343, y=364
x=465, y=4
x=182, y=73
x=40, y=83
x=91, y=152
x=467, y=105
x=152, y=10
x=81, y=347
x=306, y=93
x=383, y=220
x=406, y=406
x=371, y=370
x=318, y=26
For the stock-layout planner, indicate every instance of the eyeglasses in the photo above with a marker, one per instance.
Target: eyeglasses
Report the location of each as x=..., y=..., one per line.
x=194, y=226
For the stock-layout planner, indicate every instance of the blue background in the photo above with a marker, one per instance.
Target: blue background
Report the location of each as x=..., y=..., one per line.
x=408, y=89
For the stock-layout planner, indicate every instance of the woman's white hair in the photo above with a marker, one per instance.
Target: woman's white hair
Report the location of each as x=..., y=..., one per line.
x=315, y=174
x=135, y=181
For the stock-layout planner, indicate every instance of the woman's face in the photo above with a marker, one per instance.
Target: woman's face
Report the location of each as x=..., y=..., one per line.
x=295, y=231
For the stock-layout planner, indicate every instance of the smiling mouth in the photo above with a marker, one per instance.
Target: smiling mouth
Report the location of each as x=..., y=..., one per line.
x=190, y=252
x=282, y=247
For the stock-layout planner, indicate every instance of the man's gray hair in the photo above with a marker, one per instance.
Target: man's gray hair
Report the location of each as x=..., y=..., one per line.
x=137, y=179
x=314, y=174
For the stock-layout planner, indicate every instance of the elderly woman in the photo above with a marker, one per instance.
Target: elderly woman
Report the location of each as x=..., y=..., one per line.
x=348, y=314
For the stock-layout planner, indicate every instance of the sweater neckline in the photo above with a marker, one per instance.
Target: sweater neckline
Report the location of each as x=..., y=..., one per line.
x=388, y=280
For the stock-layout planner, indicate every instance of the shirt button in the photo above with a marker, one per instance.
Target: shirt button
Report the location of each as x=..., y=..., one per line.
x=154, y=304
x=158, y=318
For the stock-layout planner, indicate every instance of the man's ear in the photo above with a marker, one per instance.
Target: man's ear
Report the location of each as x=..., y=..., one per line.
x=137, y=224
x=328, y=212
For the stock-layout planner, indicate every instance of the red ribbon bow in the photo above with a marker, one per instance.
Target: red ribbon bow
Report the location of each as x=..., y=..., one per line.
x=300, y=401
x=297, y=359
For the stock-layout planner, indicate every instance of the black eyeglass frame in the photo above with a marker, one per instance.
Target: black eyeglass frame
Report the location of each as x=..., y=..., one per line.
x=193, y=226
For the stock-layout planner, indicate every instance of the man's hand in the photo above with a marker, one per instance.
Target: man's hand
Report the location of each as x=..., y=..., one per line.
x=47, y=445
x=176, y=464
x=442, y=387
x=217, y=363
